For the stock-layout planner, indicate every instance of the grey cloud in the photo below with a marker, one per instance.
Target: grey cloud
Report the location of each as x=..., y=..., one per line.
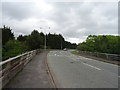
x=16, y=10
x=73, y=20
x=87, y=19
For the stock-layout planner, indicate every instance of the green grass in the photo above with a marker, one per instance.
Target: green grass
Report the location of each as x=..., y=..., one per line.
x=74, y=52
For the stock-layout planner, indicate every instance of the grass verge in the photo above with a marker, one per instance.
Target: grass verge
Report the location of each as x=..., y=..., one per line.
x=74, y=52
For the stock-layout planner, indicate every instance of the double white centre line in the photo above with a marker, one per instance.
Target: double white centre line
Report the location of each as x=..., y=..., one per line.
x=92, y=66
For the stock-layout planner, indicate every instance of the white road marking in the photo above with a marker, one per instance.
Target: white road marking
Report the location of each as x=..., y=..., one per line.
x=98, y=61
x=92, y=66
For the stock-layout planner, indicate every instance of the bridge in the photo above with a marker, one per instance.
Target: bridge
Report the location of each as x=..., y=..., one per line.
x=56, y=69
x=27, y=70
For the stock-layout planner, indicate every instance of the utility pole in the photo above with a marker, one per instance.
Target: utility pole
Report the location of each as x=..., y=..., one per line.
x=45, y=41
x=44, y=28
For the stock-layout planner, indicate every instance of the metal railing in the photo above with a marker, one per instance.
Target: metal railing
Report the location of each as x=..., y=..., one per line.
x=102, y=55
x=12, y=66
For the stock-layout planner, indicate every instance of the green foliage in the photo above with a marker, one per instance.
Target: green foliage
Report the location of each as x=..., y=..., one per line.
x=13, y=48
x=101, y=43
x=6, y=34
x=0, y=54
x=22, y=38
x=53, y=41
x=35, y=40
x=74, y=52
x=0, y=44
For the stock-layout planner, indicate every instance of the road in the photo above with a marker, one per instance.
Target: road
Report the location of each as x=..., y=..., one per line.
x=73, y=71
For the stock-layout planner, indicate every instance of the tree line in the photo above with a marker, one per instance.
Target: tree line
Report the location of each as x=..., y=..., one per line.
x=12, y=46
x=101, y=43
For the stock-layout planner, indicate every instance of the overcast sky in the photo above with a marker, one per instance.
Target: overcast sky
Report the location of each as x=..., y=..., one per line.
x=74, y=20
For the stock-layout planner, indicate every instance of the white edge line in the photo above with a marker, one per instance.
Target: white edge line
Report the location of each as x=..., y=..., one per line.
x=98, y=61
x=91, y=66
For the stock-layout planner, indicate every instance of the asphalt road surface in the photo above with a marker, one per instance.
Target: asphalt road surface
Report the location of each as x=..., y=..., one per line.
x=73, y=71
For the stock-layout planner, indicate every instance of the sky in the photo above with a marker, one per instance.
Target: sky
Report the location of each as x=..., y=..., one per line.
x=75, y=20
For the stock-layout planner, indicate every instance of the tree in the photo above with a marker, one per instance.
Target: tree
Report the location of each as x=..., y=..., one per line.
x=22, y=38
x=101, y=43
x=6, y=34
x=13, y=48
x=34, y=40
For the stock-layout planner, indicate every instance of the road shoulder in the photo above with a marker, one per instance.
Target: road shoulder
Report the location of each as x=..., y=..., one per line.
x=98, y=59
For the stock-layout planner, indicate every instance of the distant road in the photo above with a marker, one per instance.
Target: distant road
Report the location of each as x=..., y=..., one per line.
x=72, y=71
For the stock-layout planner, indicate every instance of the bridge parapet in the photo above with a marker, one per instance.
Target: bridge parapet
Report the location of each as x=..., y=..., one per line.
x=12, y=66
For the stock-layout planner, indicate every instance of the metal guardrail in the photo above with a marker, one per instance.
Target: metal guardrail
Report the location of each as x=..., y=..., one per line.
x=12, y=66
x=102, y=55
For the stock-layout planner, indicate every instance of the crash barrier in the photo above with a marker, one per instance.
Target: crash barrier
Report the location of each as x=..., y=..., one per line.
x=102, y=55
x=12, y=66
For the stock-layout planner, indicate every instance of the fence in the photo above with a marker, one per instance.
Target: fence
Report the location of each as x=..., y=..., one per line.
x=102, y=55
x=13, y=65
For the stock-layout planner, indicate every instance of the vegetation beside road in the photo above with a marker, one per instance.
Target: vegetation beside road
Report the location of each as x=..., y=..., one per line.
x=12, y=46
x=101, y=43
x=74, y=52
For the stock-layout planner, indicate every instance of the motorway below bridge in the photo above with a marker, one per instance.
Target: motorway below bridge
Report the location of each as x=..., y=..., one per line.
x=73, y=71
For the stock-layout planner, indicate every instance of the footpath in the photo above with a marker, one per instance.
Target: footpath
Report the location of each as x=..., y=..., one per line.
x=34, y=75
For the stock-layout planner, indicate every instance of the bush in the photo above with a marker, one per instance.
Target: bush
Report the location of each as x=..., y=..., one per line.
x=13, y=48
x=101, y=43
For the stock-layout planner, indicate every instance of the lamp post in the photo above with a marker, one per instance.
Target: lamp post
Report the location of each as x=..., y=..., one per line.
x=45, y=35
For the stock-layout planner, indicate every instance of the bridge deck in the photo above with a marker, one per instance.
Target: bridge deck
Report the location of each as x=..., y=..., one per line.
x=34, y=75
